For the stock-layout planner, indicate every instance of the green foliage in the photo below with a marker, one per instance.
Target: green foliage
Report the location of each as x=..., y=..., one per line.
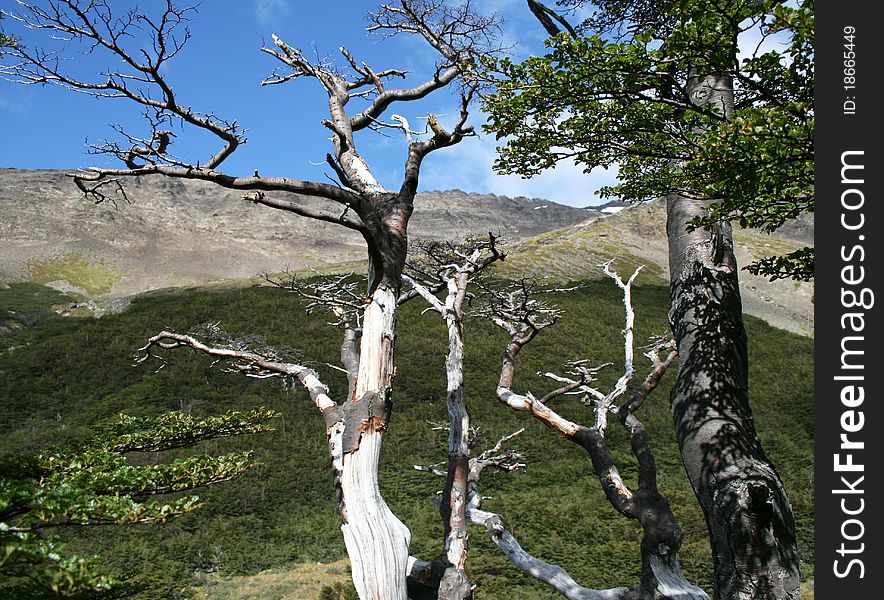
x=65, y=374
x=338, y=592
x=794, y=265
x=93, y=276
x=94, y=482
x=604, y=102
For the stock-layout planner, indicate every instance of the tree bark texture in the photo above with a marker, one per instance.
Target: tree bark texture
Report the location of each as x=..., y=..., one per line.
x=377, y=542
x=747, y=511
x=454, y=583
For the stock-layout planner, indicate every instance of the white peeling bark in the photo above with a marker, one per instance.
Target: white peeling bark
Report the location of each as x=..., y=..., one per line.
x=541, y=411
x=376, y=346
x=357, y=169
x=458, y=432
x=377, y=542
x=671, y=583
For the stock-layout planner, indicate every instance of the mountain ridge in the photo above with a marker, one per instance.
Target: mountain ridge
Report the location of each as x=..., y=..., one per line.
x=178, y=233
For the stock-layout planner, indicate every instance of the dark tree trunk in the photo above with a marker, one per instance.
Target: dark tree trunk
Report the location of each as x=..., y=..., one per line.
x=748, y=514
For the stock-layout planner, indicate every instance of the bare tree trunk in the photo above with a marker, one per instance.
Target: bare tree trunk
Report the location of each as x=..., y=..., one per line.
x=377, y=542
x=455, y=584
x=747, y=511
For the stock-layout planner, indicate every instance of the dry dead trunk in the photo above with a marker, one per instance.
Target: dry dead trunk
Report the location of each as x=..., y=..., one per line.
x=661, y=573
x=377, y=542
x=454, y=583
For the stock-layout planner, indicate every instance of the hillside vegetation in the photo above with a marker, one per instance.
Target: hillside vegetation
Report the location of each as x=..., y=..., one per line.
x=637, y=235
x=59, y=375
x=178, y=233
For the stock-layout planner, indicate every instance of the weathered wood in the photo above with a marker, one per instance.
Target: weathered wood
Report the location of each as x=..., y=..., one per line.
x=377, y=542
x=661, y=536
x=455, y=583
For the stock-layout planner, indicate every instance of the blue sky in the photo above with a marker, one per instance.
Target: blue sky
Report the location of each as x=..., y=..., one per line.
x=219, y=71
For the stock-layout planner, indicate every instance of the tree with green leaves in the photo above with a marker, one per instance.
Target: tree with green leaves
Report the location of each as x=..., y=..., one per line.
x=621, y=96
x=661, y=90
x=100, y=481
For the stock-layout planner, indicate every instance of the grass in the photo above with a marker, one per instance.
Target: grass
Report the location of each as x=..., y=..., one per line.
x=574, y=253
x=92, y=275
x=61, y=375
x=305, y=581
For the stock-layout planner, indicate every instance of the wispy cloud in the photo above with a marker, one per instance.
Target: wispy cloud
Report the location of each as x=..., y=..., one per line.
x=11, y=106
x=268, y=12
x=469, y=167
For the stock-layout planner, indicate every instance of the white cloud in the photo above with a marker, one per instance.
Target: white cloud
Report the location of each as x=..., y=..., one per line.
x=268, y=12
x=7, y=105
x=469, y=167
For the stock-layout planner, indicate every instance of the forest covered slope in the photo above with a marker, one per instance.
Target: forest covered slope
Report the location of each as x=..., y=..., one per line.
x=59, y=375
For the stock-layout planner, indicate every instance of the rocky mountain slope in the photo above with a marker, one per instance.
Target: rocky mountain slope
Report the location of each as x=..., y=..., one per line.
x=176, y=233
x=636, y=235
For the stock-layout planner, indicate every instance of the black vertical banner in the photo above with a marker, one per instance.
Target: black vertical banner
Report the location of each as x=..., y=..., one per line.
x=849, y=417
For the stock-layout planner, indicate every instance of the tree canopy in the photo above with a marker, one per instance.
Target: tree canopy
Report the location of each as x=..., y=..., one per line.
x=619, y=96
x=98, y=481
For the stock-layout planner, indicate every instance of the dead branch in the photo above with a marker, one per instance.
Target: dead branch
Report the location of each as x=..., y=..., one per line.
x=457, y=33
x=249, y=363
x=548, y=19
x=550, y=574
x=451, y=267
x=515, y=311
x=434, y=265
x=139, y=79
x=341, y=295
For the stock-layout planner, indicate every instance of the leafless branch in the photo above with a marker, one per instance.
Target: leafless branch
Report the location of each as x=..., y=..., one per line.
x=432, y=264
x=94, y=189
x=550, y=574
x=95, y=27
x=249, y=363
x=343, y=296
x=451, y=267
x=548, y=18
x=257, y=183
x=513, y=311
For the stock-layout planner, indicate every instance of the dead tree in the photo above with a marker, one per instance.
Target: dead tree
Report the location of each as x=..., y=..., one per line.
x=450, y=267
x=522, y=316
x=376, y=540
